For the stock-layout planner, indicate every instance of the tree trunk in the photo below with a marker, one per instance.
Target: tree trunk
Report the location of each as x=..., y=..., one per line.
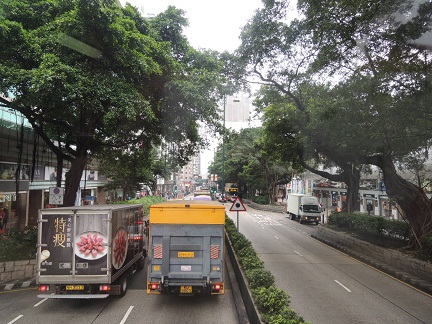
x=413, y=201
x=352, y=180
x=73, y=179
x=59, y=170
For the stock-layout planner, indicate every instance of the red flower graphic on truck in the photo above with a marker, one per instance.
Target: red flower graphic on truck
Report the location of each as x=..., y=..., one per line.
x=119, y=248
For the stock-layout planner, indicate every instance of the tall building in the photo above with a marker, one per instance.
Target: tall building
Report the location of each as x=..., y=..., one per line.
x=188, y=173
x=237, y=116
x=237, y=109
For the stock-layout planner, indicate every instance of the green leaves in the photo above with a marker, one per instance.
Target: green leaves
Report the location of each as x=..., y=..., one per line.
x=91, y=75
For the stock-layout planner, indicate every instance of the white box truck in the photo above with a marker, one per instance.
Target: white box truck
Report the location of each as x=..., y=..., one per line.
x=303, y=207
x=86, y=252
x=186, y=248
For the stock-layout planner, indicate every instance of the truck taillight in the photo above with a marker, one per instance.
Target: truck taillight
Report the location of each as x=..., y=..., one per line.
x=153, y=286
x=44, y=288
x=104, y=288
x=216, y=288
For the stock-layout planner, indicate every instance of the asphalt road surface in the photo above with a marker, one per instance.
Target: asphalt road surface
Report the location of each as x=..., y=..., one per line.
x=22, y=306
x=325, y=285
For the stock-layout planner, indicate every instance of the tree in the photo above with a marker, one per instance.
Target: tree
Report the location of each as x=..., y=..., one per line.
x=251, y=165
x=392, y=85
x=380, y=73
x=90, y=75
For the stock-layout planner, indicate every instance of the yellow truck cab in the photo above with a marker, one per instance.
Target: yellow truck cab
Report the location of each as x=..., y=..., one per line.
x=186, y=248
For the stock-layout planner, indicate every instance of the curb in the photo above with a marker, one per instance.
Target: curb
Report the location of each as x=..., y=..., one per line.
x=24, y=283
x=238, y=298
x=245, y=294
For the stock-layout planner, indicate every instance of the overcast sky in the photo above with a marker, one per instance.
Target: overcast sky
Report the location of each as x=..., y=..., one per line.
x=212, y=24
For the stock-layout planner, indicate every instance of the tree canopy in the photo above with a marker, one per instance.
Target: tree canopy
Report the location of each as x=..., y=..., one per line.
x=251, y=164
x=91, y=76
x=346, y=83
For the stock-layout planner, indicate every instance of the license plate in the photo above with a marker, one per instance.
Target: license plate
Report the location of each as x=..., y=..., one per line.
x=185, y=289
x=75, y=287
x=186, y=254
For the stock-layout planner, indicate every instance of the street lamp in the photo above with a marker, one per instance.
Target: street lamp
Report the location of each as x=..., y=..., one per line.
x=223, y=150
x=223, y=143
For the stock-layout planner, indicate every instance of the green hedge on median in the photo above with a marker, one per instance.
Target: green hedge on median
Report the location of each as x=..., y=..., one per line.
x=271, y=302
x=373, y=225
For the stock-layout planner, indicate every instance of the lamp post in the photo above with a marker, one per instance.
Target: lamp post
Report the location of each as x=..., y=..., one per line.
x=223, y=143
x=223, y=149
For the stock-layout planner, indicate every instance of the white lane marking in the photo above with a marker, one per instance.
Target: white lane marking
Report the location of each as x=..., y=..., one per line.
x=43, y=300
x=342, y=286
x=298, y=253
x=276, y=238
x=126, y=315
x=16, y=319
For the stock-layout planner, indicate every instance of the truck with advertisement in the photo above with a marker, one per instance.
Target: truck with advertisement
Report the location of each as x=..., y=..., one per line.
x=303, y=207
x=89, y=251
x=186, y=248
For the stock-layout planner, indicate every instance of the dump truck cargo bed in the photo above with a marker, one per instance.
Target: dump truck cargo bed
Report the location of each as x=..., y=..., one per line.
x=187, y=248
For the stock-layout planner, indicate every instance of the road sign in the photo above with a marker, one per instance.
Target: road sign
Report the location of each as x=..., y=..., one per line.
x=237, y=205
x=56, y=196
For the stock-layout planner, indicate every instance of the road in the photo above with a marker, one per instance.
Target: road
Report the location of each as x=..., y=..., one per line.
x=24, y=307
x=325, y=285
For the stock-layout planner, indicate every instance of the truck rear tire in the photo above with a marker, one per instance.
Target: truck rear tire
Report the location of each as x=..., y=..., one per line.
x=123, y=285
x=140, y=263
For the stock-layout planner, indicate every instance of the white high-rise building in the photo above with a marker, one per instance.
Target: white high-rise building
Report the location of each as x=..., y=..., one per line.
x=189, y=172
x=237, y=109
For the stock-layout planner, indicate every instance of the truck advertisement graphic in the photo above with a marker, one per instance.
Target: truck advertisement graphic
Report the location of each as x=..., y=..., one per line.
x=88, y=251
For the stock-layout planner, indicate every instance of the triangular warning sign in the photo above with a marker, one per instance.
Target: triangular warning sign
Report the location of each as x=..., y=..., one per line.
x=237, y=205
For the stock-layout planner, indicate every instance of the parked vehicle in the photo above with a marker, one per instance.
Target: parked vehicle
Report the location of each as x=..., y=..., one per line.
x=186, y=248
x=203, y=197
x=304, y=207
x=89, y=251
x=222, y=199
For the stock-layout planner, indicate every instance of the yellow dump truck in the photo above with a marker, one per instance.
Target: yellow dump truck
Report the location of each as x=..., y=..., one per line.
x=186, y=248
